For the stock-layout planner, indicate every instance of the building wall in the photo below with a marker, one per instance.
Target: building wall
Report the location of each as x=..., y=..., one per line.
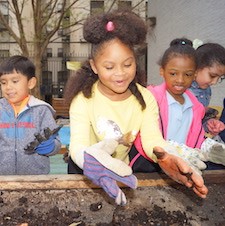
x=201, y=19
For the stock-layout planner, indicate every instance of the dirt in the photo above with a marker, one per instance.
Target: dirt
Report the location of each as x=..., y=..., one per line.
x=157, y=206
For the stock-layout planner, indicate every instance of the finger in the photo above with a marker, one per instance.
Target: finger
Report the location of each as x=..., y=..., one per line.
x=201, y=192
x=197, y=180
x=121, y=198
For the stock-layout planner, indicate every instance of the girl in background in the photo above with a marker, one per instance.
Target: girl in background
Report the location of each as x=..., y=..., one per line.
x=210, y=58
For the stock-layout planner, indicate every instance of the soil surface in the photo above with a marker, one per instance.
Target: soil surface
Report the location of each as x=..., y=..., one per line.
x=158, y=206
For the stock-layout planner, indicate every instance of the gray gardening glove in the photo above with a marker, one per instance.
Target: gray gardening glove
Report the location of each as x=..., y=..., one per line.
x=213, y=151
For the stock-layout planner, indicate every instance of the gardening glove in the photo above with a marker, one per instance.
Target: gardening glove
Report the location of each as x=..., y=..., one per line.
x=210, y=113
x=192, y=156
x=47, y=146
x=213, y=151
x=107, y=179
x=215, y=126
x=43, y=144
x=102, y=152
x=180, y=171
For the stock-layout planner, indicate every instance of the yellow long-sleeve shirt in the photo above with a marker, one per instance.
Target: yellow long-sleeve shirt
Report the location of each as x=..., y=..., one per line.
x=98, y=118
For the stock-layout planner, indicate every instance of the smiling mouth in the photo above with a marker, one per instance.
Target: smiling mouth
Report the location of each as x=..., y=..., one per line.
x=179, y=87
x=10, y=95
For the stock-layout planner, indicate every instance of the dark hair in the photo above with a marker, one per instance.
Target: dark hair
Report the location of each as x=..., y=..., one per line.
x=178, y=47
x=129, y=28
x=210, y=53
x=18, y=63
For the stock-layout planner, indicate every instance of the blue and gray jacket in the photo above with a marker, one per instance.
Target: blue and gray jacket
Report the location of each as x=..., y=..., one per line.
x=17, y=132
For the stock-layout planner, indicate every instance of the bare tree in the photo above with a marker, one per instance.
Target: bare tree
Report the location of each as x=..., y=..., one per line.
x=46, y=19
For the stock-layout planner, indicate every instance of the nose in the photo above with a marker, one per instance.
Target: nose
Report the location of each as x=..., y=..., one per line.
x=180, y=78
x=119, y=70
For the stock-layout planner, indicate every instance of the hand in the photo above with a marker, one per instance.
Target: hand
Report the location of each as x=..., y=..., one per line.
x=46, y=147
x=178, y=169
x=215, y=126
x=102, y=152
x=43, y=144
x=106, y=178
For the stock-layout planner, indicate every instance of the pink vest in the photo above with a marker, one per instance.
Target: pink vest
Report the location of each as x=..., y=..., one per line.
x=196, y=132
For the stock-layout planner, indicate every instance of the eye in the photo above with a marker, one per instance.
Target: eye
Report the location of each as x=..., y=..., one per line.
x=127, y=65
x=109, y=68
x=15, y=81
x=212, y=76
x=189, y=74
x=173, y=73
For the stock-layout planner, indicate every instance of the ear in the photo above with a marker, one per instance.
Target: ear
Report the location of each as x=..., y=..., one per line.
x=92, y=63
x=32, y=83
x=161, y=72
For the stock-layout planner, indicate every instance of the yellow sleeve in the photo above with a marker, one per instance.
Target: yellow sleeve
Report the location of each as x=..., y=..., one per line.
x=81, y=134
x=150, y=133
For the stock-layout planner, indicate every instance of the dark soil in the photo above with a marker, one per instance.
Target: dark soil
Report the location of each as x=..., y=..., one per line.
x=156, y=206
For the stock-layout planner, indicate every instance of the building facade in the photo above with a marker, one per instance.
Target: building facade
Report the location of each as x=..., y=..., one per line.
x=193, y=19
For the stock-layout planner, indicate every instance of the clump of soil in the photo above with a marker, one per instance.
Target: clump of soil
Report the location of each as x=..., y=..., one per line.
x=157, y=216
x=54, y=217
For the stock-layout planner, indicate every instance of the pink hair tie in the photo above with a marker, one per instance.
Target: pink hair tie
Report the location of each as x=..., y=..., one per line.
x=110, y=26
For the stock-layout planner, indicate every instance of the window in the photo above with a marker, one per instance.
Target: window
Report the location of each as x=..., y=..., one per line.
x=4, y=7
x=46, y=77
x=97, y=7
x=60, y=52
x=49, y=52
x=124, y=5
x=4, y=53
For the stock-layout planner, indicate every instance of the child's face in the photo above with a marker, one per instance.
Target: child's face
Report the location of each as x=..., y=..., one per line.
x=15, y=87
x=178, y=75
x=115, y=65
x=209, y=75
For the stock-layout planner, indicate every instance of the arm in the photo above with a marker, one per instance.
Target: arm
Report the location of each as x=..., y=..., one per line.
x=80, y=130
x=173, y=165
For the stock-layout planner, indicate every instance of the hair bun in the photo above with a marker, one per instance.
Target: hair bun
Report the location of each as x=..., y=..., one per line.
x=181, y=41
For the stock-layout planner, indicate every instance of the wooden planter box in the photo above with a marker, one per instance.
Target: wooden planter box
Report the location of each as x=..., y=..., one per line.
x=74, y=200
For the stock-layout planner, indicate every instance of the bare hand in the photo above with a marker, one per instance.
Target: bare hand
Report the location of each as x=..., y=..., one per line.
x=180, y=171
x=215, y=126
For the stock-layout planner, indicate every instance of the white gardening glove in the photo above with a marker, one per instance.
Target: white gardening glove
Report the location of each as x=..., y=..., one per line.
x=103, y=150
x=213, y=151
x=192, y=156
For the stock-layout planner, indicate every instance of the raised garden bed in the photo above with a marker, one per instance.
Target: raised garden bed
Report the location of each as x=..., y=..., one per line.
x=63, y=200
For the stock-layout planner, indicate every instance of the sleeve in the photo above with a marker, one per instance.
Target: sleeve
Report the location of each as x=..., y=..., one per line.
x=150, y=133
x=80, y=130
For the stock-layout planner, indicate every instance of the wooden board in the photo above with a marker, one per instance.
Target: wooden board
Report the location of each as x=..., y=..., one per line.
x=72, y=181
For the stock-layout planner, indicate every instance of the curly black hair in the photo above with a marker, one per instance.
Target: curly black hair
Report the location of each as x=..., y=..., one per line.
x=129, y=28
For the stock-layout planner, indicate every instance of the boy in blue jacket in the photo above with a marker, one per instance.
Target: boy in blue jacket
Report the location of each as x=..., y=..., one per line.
x=28, y=131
